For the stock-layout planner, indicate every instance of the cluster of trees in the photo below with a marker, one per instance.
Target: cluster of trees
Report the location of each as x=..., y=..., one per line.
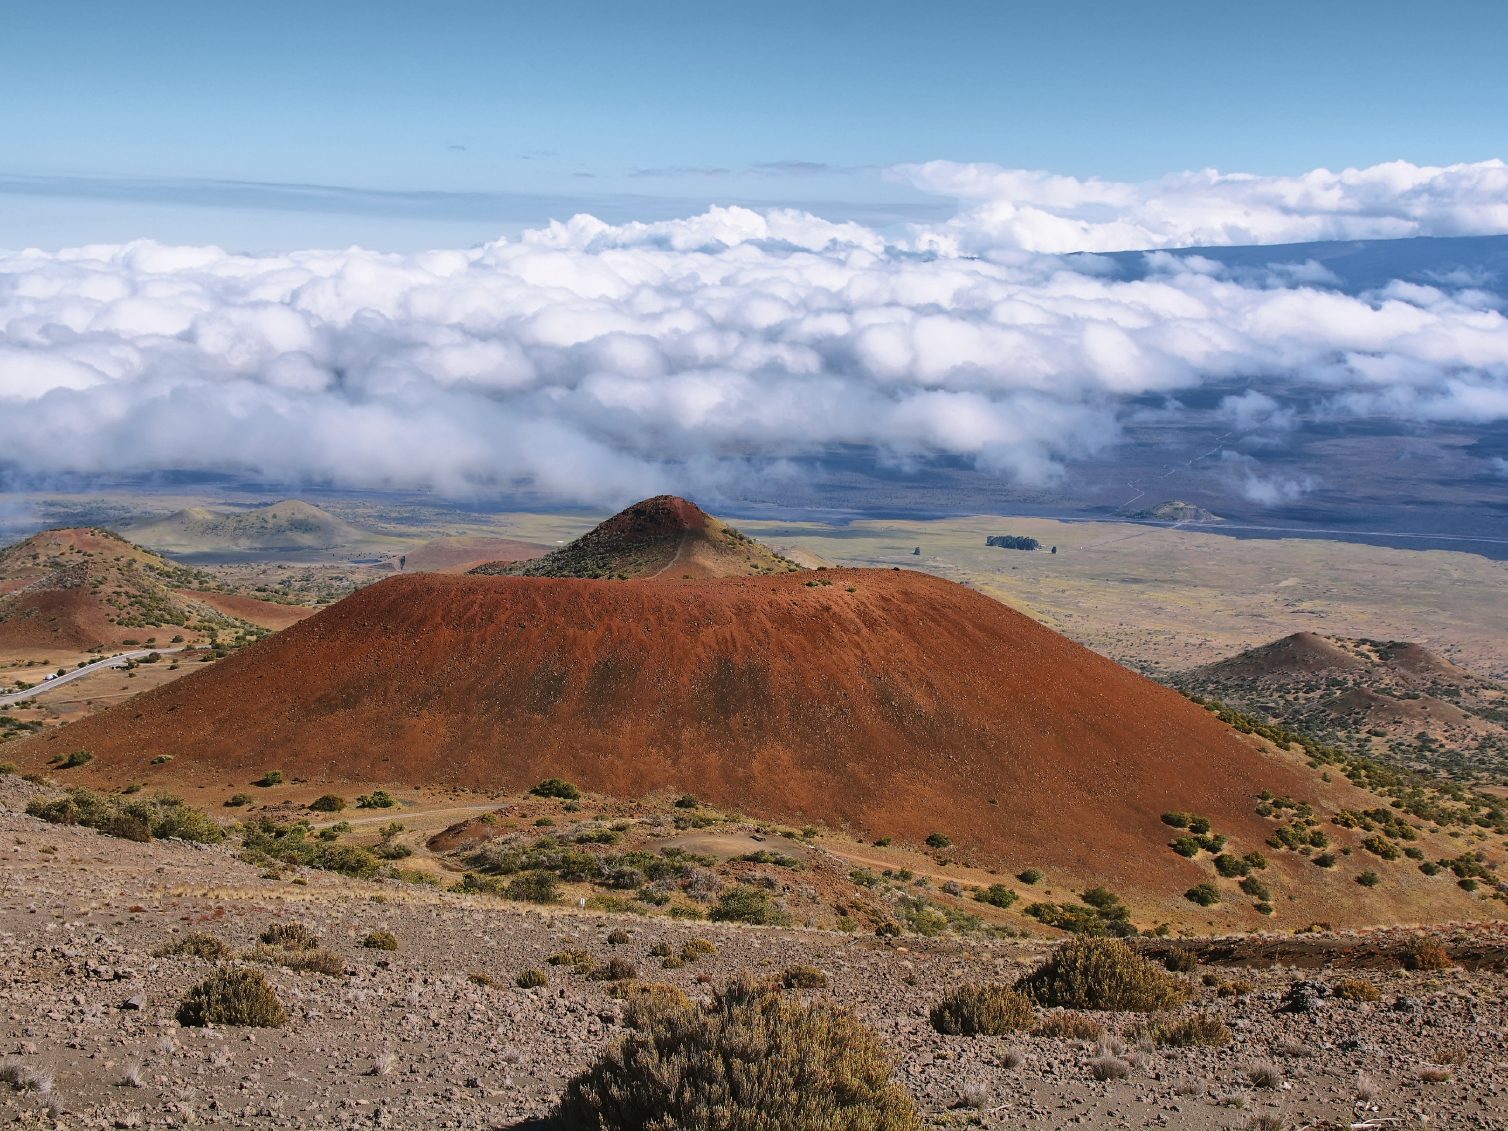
x=1013, y=542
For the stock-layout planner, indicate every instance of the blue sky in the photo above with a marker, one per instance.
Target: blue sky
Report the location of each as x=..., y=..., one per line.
x=120, y=119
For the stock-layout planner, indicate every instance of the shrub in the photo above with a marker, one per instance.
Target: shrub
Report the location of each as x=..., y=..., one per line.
x=1030, y=876
x=77, y=758
x=1264, y=1074
x=556, y=787
x=694, y=948
x=1069, y=1027
x=161, y=817
x=1231, y=866
x=289, y=936
x=1177, y=820
x=377, y=799
x=313, y=960
x=1369, y=879
x=1109, y=1068
x=614, y=970
x=1181, y=961
x=1096, y=973
x=1206, y=895
x=328, y=803
x=617, y=937
x=1185, y=846
x=1355, y=989
x=996, y=895
x=938, y=840
x=803, y=978
x=987, y=1010
x=686, y=801
x=745, y=904
x=531, y=979
x=233, y=996
x=197, y=945
x=270, y=778
x=380, y=940
x=1195, y=1029
x=238, y=800
x=533, y=887
x=751, y=1061
x=1256, y=888
x=1425, y=953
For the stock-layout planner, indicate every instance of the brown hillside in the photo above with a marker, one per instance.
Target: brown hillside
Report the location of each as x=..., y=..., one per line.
x=1301, y=653
x=82, y=587
x=462, y=553
x=665, y=536
x=906, y=705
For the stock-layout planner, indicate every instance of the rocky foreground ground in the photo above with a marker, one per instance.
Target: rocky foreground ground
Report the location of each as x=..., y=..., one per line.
x=437, y=1034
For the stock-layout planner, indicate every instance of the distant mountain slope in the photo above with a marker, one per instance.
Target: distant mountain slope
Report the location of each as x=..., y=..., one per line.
x=1394, y=699
x=663, y=536
x=287, y=525
x=84, y=587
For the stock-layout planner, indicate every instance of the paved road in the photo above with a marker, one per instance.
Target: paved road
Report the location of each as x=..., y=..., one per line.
x=120, y=661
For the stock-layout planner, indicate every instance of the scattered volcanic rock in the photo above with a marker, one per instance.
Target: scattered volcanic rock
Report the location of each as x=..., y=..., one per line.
x=665, y=536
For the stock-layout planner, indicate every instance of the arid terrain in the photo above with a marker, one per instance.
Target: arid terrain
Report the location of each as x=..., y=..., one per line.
x=438, y=1033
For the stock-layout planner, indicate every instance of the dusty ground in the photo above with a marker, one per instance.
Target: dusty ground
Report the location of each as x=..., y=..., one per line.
x=415, y=1039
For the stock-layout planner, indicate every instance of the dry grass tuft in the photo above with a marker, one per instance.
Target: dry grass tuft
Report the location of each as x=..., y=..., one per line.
x=200, y=945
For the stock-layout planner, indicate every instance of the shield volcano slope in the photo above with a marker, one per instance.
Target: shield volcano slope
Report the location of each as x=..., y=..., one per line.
x=905, y=706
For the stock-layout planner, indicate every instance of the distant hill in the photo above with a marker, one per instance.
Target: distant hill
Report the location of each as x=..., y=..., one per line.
x=83, y=587
x=291, y=524
x=1176, y=510
x=1394, y=699
x=463, y=552
x=883, y=703
x=665, y=536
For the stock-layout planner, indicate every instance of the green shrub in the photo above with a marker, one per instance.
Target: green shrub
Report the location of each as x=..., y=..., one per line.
x=745, y=904
x=686, y=801
x=77, y=758
x=380, y=940
x=556, y=787
x=1194, y=1029
x=1096, y=973
x=1369, y=879
x=197, y=945
x=531, y=979
x=377, y=799
x=270, y=778
x=233, y=996
x=1256, y=888
x=753, y=1060
x=1177, y=820
x=983, y=1010
x=1231, y=866
x=1206, y=895
x=1185, y=846
x=1030, y=876
x=238, y=800
x=938, y=840
x=161, y=817
x=996, y=895
x=328, y=803
x=533, y=887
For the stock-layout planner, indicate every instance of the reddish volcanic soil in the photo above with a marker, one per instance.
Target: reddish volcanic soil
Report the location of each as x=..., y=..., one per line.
x=908, y=706
x=267, y=614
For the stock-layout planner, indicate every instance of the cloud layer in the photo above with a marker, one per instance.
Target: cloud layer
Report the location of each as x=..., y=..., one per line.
x=1036, y=211
x=594, y=363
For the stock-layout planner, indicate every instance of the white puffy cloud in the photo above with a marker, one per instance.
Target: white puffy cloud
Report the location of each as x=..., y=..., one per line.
x=595, y=363
x=1044, y=212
